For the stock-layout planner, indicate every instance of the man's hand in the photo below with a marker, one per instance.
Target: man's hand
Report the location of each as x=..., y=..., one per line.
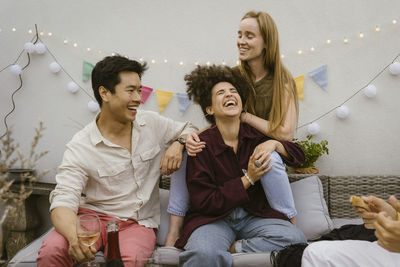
x=172, y=159
x=388, y=232
x=80, y=252
x=376, y=205
x=193, y=144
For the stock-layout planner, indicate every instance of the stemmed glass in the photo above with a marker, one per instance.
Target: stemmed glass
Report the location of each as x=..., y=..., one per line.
x=88, y=230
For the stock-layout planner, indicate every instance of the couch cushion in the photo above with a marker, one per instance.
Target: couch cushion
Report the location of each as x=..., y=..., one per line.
x=312, y=212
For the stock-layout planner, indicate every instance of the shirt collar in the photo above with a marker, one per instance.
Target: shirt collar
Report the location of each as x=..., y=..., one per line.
x=95, y=134
x=245, y=132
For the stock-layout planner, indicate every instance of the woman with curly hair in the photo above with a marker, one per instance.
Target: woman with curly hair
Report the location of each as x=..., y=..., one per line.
x=271, y=105
x=229, y=211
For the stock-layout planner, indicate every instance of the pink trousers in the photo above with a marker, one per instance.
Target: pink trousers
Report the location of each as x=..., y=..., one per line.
x=135, y=242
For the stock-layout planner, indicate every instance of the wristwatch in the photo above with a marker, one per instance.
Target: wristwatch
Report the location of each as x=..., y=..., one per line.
x=181, y=140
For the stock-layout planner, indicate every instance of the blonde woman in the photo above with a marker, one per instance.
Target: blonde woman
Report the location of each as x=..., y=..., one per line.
x=271, y=107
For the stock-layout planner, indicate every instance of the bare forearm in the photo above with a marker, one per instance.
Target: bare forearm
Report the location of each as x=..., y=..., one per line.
x=64, y=220
x=281, y=133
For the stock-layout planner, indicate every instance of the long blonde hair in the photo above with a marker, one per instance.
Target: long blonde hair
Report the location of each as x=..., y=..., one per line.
x=282, y=79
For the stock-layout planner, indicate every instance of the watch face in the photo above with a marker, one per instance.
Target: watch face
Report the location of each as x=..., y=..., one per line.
x=181, y=140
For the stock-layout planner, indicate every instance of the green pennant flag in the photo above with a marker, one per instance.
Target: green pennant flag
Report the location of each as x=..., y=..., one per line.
x=86, y=70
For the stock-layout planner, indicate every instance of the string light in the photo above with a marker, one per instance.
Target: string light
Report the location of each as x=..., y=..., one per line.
x=112, y=54
x=328, y=41
x=41, y=33
x=181, y=63
x=300, y=52
x=14, y=30
x=223, y=63
x=312, y=49
x=75, y=45
x=282, y=56
x=49, y=34
x=153, y=61
x=394, y=21
x=377, y=29
x=345, y=40
x=100, y=52
x=30, y=31
x=196, y=63
x=141, y=59
x=208, y=63
x=65, y=41
x=165, y=61
x=361, y=35
x=88, y=49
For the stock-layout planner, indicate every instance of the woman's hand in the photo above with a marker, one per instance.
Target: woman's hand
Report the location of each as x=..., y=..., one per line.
x=376, y=206
x=193, y=144
x=265, y=148
x=388, y=228
x=255, y=170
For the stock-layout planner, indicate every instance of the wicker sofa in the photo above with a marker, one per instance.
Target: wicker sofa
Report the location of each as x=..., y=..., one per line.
x=335, y=191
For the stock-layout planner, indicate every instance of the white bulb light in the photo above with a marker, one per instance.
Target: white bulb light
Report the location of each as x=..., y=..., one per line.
x=181, y=63
x=345, y=40
x=370, y=91
x=313, y=128
x=93, y=106
x=16, y=69
x=54, y=67
x=40, y=48
x=342, y=112
x=312, y=49
x=377, y=29
x=361, y=35
x=394, y=68
x=299, y=52
x=29, y=47
x=73, y=87
x=394, y=21
x=328, y=41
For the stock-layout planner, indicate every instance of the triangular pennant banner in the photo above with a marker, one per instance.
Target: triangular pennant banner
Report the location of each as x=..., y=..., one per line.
x=86, y=70
x=163, y=98
x=146, y=91
x=320, y=76
x=299, y=85
x=183, y=102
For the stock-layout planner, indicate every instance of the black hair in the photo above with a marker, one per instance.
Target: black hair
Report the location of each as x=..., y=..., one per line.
x=201, y=80
x=106, y=73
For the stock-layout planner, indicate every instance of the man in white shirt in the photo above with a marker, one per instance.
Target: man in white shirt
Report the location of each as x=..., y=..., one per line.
x=111, y=168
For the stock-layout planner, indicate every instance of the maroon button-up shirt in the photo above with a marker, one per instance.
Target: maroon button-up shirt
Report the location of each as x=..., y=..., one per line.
x=214, y=179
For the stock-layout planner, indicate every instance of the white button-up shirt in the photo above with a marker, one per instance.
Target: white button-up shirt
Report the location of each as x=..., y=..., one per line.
x=99, y=175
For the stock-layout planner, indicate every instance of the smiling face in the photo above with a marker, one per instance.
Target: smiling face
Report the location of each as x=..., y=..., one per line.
x=123, y=104
x=226, y=101
x=250, y=42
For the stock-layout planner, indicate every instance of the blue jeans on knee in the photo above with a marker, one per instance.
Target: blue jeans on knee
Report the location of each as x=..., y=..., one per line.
x=275, y=183
x=208, y=245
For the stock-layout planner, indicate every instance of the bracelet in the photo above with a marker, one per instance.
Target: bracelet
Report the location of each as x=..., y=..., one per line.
x=247, y=177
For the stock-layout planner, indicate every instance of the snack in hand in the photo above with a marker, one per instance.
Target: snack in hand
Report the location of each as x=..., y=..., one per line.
x=359, y=202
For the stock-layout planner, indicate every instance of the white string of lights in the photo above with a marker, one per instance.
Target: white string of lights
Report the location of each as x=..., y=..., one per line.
x=347, y=40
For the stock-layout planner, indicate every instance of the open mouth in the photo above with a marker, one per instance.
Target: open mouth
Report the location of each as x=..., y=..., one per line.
x=229, y=103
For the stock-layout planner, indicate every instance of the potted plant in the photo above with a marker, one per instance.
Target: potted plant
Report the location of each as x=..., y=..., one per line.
x=313, y=151
x=17, y=175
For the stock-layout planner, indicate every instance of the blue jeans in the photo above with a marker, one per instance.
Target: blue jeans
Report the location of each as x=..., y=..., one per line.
x=275, y=183
x=208, y=245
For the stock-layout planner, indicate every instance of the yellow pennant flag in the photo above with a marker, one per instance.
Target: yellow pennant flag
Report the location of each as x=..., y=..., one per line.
x=163, y=97
x=299, y=85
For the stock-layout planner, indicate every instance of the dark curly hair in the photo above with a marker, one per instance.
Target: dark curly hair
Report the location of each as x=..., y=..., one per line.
x=200, y=81
x=106, y=73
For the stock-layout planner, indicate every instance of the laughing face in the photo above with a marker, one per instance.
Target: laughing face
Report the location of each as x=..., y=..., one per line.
x=250, y=42
x=123, y=104
x=226, y=101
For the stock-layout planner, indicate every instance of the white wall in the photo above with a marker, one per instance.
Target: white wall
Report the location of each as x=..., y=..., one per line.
x=190, y=31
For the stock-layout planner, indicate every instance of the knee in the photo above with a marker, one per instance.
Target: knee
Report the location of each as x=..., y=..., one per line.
x=275, y=158
x=206, y=254
x=54, y=249
x=296, y=236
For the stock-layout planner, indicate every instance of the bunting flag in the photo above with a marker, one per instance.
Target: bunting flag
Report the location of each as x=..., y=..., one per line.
x=320, y=76
x=183, y=102
x=86, y=71
x=146, y=91
x=163, y=98
x=299, y=85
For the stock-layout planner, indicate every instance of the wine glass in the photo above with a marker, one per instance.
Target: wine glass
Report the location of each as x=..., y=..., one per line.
x=88, y=231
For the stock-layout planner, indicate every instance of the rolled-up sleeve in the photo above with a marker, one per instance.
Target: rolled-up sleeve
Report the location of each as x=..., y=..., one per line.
x=71, y=179
x=297, y=155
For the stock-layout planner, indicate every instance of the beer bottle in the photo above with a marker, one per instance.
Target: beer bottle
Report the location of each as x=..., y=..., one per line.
x=113, y=254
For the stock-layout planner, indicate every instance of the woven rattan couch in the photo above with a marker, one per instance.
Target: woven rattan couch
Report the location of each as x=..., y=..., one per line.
x=336, y=192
